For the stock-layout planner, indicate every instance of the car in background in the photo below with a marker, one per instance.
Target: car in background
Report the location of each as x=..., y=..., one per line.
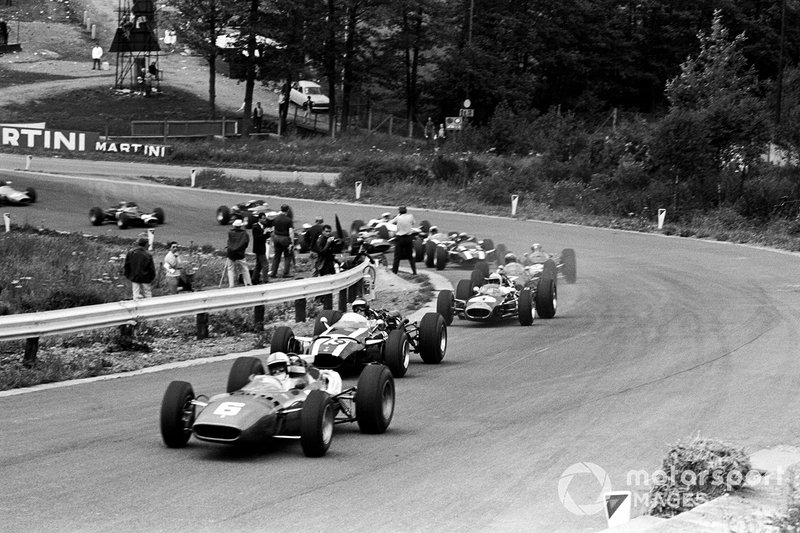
x=247, y=211
x=126, y=214
x=12, y=196
x=302, y=89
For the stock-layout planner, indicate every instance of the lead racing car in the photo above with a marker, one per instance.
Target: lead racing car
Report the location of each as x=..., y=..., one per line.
x=248, y=211
x=365, y=335
x=291, y=400
x=10, y=195
x=126, y=214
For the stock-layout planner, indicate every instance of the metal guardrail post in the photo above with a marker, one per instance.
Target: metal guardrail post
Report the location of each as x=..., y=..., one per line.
x=327, y=301
x=258, y=314
x=300, y=310
x=31, y=347
x=202, y=325
x=343, y=300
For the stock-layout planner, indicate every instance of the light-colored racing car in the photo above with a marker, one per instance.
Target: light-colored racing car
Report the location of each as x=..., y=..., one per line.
x=10, y=195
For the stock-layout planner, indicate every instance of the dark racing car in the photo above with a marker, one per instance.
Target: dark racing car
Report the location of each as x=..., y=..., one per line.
x=458, y=248
x=247, y=211
x=364, y=336
x=299, y=402
x=125, y=215
x=487, y=299
x=10, y=195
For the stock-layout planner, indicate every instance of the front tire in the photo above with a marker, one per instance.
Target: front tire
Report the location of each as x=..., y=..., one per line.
x=177, y=414
x=159, y=214
x=374, y=399
x=419, y=251
x=316, y=424
x=223, y=215
x=122, y=221
x=441, y=258
x=525, y=307
x=282, y=340
x=430, y=254
x=444, y=305
x=432, y=338
x=97, y=216
x=396, y=354
x=31, y=192
x=546, y=295
x=242, y=370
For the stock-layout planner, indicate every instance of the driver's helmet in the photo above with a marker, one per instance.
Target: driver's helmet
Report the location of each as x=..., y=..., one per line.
x=297, y=365
x=536, y=247
x=278, y=364
x=386, y=216
x=494, y=278
x=510, y=258
x=453, y=235
x=463, y=236
x=360, y=305
x=433, y=230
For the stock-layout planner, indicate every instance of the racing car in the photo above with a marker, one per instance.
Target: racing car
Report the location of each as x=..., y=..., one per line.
x=459, y=248
x=12, y=196
x=485, y=299
x=352, y=339
x=305, y=403
x=126, y=214
x=376, y=238
x=247, y=211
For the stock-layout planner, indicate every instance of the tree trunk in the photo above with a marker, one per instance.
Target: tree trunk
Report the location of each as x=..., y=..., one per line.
x=347, y=66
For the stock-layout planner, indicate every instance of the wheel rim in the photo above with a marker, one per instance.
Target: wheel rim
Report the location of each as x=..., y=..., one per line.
x=387, y=400
x=443, y=340
x=406, y=355
x=327, y=424
x=187, y=415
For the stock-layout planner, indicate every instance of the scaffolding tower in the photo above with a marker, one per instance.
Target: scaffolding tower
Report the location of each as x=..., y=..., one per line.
x=136, y=46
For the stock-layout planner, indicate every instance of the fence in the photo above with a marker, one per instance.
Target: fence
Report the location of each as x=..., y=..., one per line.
x=32, y=326
x=166, y=129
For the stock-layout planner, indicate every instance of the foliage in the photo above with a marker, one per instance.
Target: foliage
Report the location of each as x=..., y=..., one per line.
x=696, y=470
x=789, y=520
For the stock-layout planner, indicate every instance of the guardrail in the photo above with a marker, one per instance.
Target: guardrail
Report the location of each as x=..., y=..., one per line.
x=32, y=326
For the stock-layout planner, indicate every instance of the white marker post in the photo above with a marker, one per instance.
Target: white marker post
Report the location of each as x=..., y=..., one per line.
x=662, y=214
x=7, y=220
x=358, y=190
x=514, y=202
x=194, y=176
x=151, y=236
x=28, y=159
x=617, y=507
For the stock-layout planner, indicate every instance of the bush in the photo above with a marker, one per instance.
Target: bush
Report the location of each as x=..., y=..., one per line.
x=377, y=171
x=694, y=472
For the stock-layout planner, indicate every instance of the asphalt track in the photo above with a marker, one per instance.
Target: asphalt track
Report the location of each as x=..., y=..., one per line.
x=660, y=339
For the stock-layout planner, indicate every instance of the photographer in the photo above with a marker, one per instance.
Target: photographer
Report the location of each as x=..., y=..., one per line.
x=326, y=249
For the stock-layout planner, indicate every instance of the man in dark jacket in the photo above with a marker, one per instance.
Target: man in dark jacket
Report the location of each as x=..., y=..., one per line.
x=140, y=270
x=238, y=240
x=282, y=238
x=260, y=235
x=326, y=252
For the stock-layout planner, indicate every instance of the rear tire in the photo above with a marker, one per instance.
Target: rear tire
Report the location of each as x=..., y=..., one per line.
x=122, y=221
x=356, y=226
x=159, y=214
x=430, y=254
x=432, y=338
x=483, y=268
x=396, y=354
x=546, y=295
x=419, y=250
x=177, y=414
x=242, y=369
x=444, y=305
x=476, y=279
x=282, y=340
x=97, y=216
x=331, y=315
x=500, y=254
x=525, y=308
x=316, y=424
x=374, y=399
x=569, y=266
x=31, y=192
x=223, y=215
x=441, y=258
x=464, y=289
x=488, y=245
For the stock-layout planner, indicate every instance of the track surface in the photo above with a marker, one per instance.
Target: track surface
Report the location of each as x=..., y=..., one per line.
x=660, y=338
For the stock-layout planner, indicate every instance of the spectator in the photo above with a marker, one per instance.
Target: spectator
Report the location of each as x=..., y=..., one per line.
x=176, y=274
x=140, y=270
x=153, y=70
x=3, y=31
x=308, y=107
x=282, y=238
x=430, y=132
x=404, y=239
x=235, y=250
x=97, y=54
x=313, y=233
x=326, y=252
x=439, y=138
x=261, y=233
x=258, y=117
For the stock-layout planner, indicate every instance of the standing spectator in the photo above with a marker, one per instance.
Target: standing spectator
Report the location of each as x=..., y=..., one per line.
x=261, y=233
x=313, y=233
x=153, y=70
x=308, y=107
x=281, y=103
x=3, y=31
x=97, y=55
x=258, y=117
x=282, y=238
x=326, y=252
x=439, y=138
x=235, y=250
x=176, y=275
x=404, y=239
x=140, y=270
x=430, y=132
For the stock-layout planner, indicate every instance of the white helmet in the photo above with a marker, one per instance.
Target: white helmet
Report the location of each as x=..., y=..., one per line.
x=536, y=247
x=277, y=363
x=386, y=215
x=495, y=278
x=297, y=365
x=360, y=305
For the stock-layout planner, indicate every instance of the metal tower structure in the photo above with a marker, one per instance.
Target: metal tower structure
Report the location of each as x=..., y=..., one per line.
x=136, y=45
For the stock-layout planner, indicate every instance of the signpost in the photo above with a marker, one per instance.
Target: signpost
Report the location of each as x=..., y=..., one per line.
x=453, y=123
